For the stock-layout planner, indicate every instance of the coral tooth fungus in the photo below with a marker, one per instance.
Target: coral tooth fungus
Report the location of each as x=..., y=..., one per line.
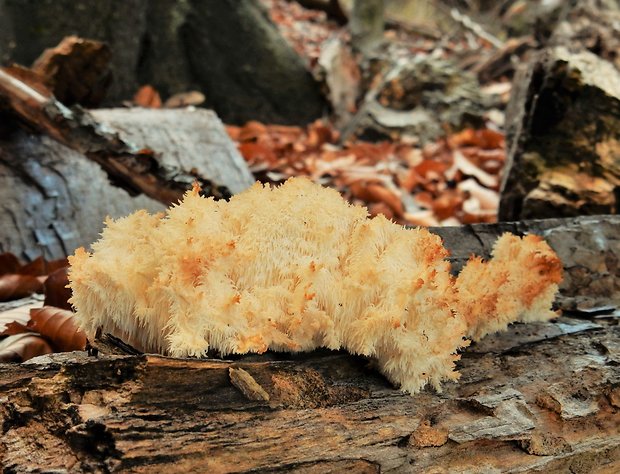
x=296, y=267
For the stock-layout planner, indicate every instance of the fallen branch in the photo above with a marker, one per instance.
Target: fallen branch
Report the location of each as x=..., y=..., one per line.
x=136, y=170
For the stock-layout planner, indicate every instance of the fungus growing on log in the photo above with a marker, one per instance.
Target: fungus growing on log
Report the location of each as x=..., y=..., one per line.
x=296, y=267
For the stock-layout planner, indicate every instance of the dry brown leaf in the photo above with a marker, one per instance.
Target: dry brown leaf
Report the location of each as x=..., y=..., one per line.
x=380, y=193
x=376, y=193
x=382, y=176
x=319, y=134
x=473, y=212
x=21, y=347
x=20, y=315
x=487, y=198
x=41, y=267
x=59, y=327
x=9, y=263
x=257, y=152
x=429, y=169
x=467, y=168
x=13, y=287
x=15, y=328
x=233, y=132
x=55, y=289
x=447, y=204
x=251, y=131
x=147, y=97
x=484, y=138
x=377, y=208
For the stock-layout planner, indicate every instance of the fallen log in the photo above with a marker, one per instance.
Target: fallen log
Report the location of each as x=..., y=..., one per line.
x=137, y=169
x=55, y=199
x=542, y=397
x=588, y=246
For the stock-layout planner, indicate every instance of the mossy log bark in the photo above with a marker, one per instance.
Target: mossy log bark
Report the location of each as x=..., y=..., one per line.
x=540, y=398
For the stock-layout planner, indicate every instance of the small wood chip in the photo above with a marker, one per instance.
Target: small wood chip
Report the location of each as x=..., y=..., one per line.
x=247, y=385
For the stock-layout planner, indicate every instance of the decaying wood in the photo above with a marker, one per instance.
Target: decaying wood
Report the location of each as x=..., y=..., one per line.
x=589, y=247
x=77, y=71
x=137, y=169
x=563, y=122
x=55, y=199
x=544, y=406
x=542, y=397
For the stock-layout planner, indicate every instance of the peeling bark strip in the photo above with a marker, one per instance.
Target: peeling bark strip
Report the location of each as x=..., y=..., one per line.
x=549, y=406
x=137, y=170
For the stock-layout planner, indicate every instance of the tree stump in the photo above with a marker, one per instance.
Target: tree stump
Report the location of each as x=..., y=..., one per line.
x=563, y=124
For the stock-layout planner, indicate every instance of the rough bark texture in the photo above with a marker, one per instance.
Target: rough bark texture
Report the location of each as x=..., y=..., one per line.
x=54, y=199
x=541, y=398
x=184, y=139
x=589, y=246
x=563, y=138
x=176, y=46
x=137, y=168
x=563, y=123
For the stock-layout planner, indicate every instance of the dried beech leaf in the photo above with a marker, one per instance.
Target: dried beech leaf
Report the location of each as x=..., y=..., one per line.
x=56, y=292
x=462, y=164
x=21, y=347
x=15, y=328
x=34, y=268
x=253, y=152
x=377, y=208
x=41, y=267
x=8, y=263
x=252, y=131
x=20, y=315
x=13, y=287
x=399, y=168
x=378, y=193
x=58, y=325
x=147, y=97
x=485, y=138
x=447, y=204
x=488, y=199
